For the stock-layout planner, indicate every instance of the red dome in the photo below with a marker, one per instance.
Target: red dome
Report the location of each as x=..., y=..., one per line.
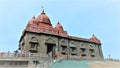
x=43, y=18
x=59, y=27
x=94, y=39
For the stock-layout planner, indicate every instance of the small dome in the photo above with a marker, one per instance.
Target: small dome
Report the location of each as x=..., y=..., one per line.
x=59, y=27
x=43, y=18
x=31, y=21
x=94, y=39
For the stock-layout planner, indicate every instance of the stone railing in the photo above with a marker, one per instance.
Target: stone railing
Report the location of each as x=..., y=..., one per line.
x=46, y=64
x=80, y=57
x=17, y=55
x=35, y=60
x=71, y=57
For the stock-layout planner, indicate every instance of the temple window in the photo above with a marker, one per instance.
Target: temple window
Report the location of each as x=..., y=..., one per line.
x=73, y=49
x=91, y=50
x=82, y=50
x=64, y=48
x=91, y=45
x=33, y=45
x=92, y=55
x=81, y=44
x=83, y=55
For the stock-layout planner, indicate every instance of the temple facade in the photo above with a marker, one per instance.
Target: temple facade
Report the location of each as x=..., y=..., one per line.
x=40, y=36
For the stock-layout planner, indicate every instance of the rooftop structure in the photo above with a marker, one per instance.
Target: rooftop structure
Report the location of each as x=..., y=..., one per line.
x=40, y=36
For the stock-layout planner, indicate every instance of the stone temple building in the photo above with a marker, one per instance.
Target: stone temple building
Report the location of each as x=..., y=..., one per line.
x=40, y=36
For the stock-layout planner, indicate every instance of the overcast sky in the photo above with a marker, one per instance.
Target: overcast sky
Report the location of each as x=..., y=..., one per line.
x=81, y=18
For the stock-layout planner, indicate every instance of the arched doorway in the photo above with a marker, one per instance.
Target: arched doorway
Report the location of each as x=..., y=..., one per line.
x=51, y=48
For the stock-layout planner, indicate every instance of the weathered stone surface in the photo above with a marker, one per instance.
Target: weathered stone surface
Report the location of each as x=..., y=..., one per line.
x=39, y=36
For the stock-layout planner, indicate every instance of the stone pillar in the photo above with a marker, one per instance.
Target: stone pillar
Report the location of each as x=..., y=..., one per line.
x=21, y=50
x=30, y=64
x=100, y=52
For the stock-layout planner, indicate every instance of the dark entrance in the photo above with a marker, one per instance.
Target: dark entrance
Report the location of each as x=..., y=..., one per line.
x=51, y=49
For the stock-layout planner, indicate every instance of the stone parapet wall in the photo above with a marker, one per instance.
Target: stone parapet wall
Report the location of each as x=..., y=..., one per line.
x=21, y=55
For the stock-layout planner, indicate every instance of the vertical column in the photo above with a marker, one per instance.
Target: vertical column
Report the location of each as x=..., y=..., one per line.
x=21, y=50
x=68, y=49
x=100, y=51
x=58, y=51
x=54, y=51
x=30, y=64
x=87, y=47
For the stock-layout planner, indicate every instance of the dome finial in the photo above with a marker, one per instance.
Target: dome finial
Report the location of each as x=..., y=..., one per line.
x=42, y=9
x=93, y=35
x=33, y=17
x=58, y=22
x=43, y=18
